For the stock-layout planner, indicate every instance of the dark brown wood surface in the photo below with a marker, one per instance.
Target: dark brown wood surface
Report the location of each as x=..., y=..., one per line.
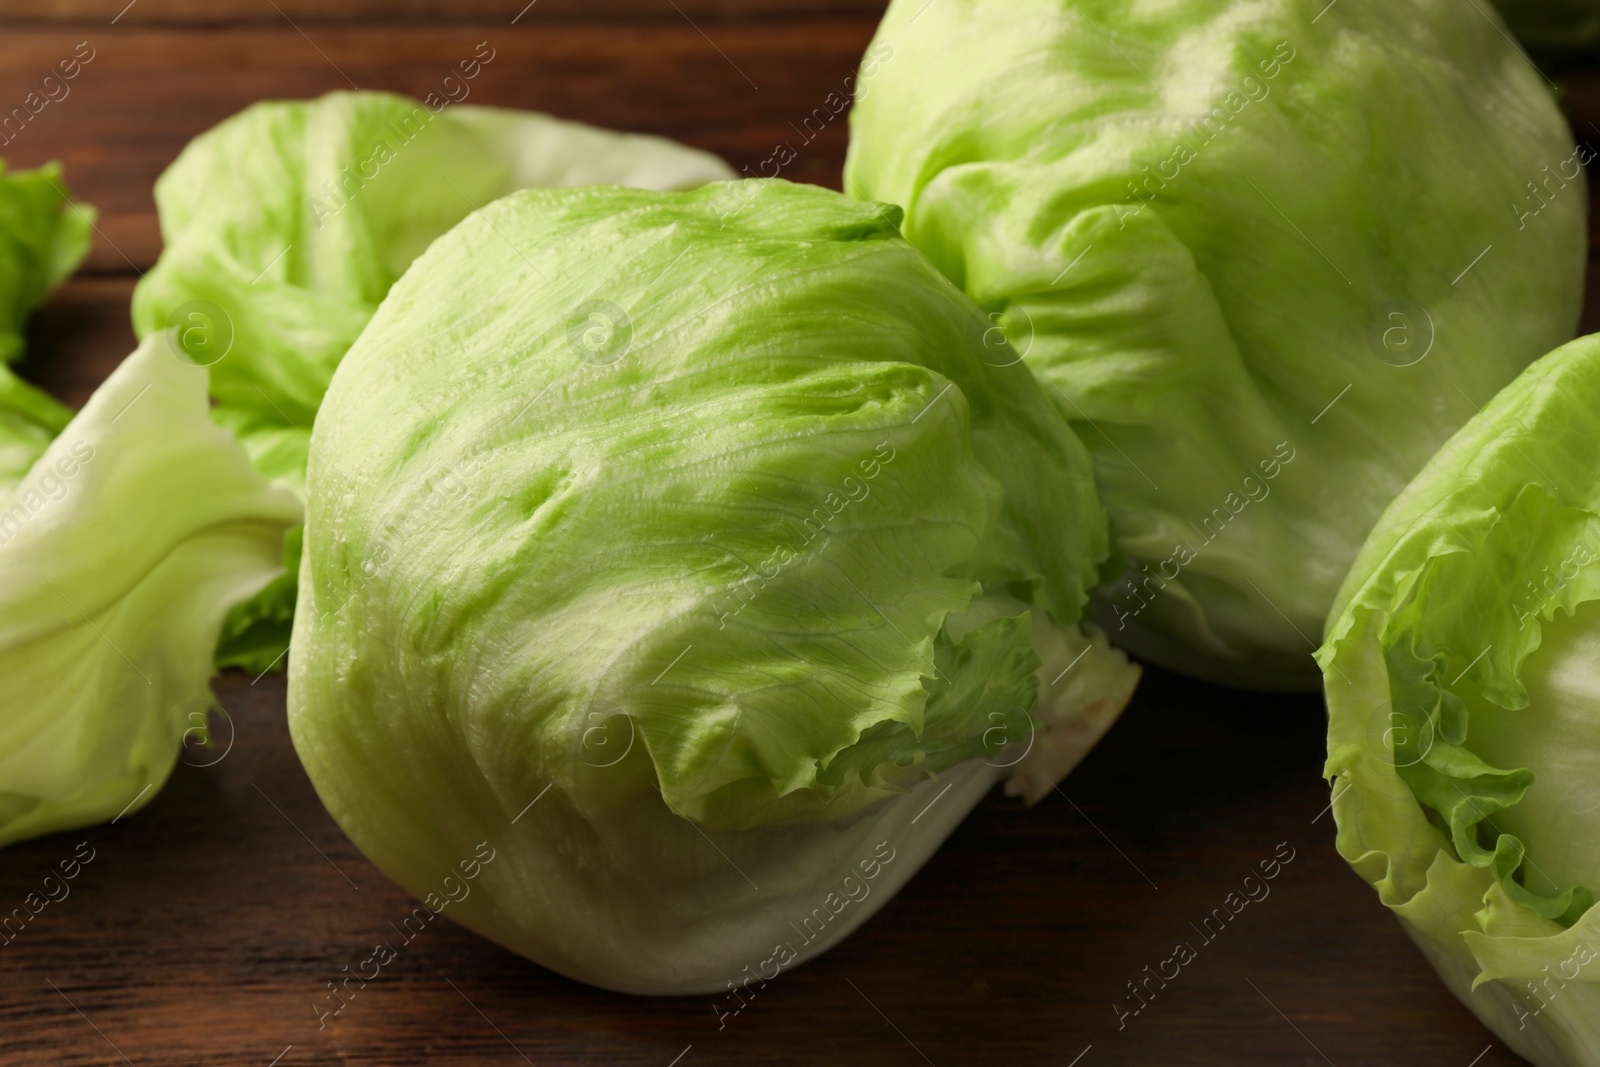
x=208, y=923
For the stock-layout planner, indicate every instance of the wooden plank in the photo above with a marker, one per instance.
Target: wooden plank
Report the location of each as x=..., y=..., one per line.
x=207, y=926
x=146, y=93
x=390, y=12
x=77, y=339
x=208, y=923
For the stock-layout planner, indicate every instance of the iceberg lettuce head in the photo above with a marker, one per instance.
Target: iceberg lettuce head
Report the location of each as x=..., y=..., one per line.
x=1463, y=681
x=693, y=553
x=1267, y=257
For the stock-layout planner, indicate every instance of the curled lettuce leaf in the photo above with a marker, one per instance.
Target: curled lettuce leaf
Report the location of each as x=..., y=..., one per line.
x=1267, y=257
x=286, y=225
x=716, y=527
x=121, y=550
x=1464, y=710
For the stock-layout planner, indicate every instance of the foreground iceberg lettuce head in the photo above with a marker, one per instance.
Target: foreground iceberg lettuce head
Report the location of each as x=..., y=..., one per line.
x=698, y=554
x=286, y=225
x=1267, y=256
x=1463, y=683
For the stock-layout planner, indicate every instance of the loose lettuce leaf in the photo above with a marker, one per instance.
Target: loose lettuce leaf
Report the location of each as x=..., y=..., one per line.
x=714, y=515
x=29, y=421
x=1464, y=704
x=43, y=238
x=286, y=225
x=1267, y=258
x=120, y=552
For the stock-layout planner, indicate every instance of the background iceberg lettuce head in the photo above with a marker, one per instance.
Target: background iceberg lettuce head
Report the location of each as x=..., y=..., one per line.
x=1267, y=256
x=286, y=225
x=1463, y=684
x=686, y=549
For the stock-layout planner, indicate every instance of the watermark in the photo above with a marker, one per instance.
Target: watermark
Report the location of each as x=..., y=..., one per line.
x=46, y=486
x=853, y=889
x=1009, y=336
x=601, y=744
x=401, y=132
x=1543, y=191
x=1401, y=333
x=1551, y=584
x=55, y=888
x=199, y=332
x=996, y=739
x=1406, y=739
x=599, y=333
x=53, y=89
x=199, y=740
x=1139, y=589
x=384, y=954
x=1252, y=890
x=1205, y=129
x=1542, y=993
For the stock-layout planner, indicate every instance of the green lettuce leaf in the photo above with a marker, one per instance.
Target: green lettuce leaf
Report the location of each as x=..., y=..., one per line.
x=1464, y=710
x=29, y=421
x=44, y=235
x=1267, y=258
x=121, y=550
x=717, y=516
x=43, y=238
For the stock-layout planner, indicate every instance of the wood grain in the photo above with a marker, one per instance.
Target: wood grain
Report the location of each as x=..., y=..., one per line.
x=146, y=93
x=208, y=923
x=390, y=12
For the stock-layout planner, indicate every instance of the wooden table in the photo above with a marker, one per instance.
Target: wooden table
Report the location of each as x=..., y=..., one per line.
x=208, y=923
